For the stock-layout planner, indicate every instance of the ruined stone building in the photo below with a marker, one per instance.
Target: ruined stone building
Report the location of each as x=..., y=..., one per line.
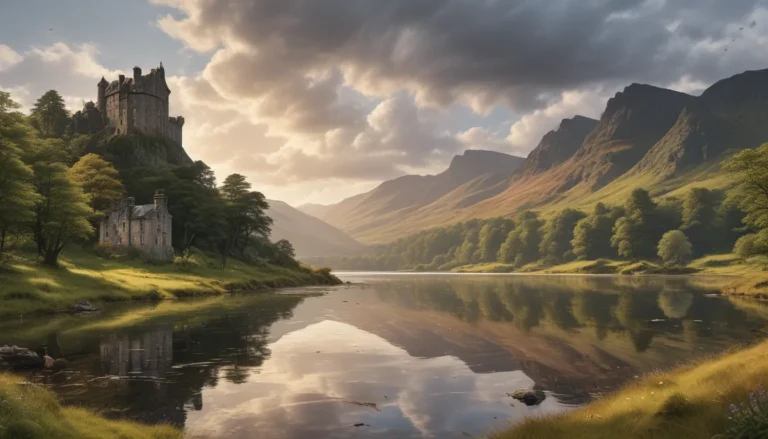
x=145, y=227
x=137, y=105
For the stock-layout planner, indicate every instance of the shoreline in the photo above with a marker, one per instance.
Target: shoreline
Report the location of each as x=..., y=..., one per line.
x=33, y=289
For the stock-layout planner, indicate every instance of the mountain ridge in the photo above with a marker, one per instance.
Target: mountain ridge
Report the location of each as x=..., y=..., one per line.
x=646, y=135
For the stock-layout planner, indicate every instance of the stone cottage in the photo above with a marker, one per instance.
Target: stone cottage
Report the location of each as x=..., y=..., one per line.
x=146, y=227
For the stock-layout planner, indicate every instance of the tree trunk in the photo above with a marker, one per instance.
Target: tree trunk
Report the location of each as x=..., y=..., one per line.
x=51, y=258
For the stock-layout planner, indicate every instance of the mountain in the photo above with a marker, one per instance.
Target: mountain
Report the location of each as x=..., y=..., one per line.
x=558, y=145
x=650, y=137
x=309, y=235
x=395, y=200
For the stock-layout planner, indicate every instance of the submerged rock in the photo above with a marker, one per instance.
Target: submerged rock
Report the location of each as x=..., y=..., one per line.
x=60, y=364
x=528, y=397
x=84, y=306
x=20, y=358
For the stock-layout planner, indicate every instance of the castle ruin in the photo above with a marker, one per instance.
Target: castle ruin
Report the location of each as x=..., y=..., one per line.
x=137, y=105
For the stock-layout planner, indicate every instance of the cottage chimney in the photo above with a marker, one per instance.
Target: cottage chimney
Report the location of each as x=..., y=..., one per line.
x=159, y=198
x=136, y=74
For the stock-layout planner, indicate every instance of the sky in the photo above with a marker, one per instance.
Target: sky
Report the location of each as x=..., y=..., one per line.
x=318, y=100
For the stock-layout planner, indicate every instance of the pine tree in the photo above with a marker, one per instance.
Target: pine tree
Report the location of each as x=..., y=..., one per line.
x=49, y=115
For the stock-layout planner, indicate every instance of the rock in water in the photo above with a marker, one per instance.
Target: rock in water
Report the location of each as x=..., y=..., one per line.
x=528, y=397
x=60, y=364
x=84, y=306
x=20, y=358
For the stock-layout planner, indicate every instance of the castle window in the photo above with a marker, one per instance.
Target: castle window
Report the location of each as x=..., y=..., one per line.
x=123, y=226
x=155, y=241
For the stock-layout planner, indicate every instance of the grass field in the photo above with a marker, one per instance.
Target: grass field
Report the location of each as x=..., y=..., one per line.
x=690, y=402
x=32, y=412
x=28, y=287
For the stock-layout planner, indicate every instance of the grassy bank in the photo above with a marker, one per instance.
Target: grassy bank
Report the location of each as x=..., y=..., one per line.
x=690, y=402
x=32, y=412
x=28, y=287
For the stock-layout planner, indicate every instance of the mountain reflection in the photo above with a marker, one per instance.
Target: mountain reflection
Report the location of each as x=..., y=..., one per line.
x=437, y=354
x=639, y=309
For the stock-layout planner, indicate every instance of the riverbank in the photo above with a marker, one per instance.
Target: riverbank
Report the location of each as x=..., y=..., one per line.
x=31, y=411
x=692, y=401
x=28, y=287
x=749, y=277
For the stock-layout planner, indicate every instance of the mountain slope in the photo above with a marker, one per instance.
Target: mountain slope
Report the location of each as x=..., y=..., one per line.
x=395, y=200
x=649, y=137
x=558, y=145
x=310, y=236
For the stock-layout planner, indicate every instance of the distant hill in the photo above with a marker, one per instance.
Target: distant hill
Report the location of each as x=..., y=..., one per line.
x=475, y=172
x=310, y=236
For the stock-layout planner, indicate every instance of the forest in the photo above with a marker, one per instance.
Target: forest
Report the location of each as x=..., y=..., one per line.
x=670, y=230
x=53, y=194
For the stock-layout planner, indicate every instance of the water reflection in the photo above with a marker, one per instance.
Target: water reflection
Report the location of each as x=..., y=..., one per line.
x=148, y=355
x=437, y=355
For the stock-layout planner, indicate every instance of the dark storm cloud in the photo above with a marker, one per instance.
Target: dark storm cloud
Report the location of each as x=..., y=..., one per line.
x=283, y=64
x=519, y=52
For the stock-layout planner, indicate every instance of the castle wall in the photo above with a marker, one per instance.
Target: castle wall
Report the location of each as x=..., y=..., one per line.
x=174, y=128
x=140, y=105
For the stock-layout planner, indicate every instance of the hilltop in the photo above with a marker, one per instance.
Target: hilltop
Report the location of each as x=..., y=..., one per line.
x=471, y=177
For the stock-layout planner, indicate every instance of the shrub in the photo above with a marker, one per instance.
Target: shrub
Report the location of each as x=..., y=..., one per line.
x=186, y=262
x=676, y=405
x=118, y=252
x=747, y=246
x=749, y=420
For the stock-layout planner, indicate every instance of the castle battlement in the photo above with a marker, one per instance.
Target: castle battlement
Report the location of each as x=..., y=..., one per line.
x=132, y=105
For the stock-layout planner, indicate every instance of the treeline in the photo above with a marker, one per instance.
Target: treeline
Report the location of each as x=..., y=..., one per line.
x=673, y=230
x=52, y=194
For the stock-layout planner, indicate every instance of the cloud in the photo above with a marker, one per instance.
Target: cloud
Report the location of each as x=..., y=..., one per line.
x=285, y=67
x=8, y=57
x=482, y=53
x=73, y=70
x=526, y=133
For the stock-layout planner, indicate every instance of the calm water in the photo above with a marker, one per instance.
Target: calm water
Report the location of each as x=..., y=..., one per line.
x=436, y=354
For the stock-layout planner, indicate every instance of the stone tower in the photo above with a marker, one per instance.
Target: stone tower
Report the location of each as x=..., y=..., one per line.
x=101, y=102
x=136, y=105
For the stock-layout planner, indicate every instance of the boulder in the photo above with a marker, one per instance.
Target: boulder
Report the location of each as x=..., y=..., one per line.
x=47, y=362
x=529, y=397
x=60, y=364
x=20, y=358
x=84, y=306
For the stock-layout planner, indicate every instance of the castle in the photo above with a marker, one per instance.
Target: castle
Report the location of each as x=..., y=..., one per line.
x=146, y=227
x=137, y=105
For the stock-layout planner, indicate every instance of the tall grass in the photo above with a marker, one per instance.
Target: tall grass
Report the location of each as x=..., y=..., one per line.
x=690, y=402
x=32, y=412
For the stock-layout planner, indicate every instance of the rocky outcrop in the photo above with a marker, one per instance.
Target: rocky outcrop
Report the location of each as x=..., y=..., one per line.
x=558, y=145
x=137, y=150
x=633, y=121
x=20, y=358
